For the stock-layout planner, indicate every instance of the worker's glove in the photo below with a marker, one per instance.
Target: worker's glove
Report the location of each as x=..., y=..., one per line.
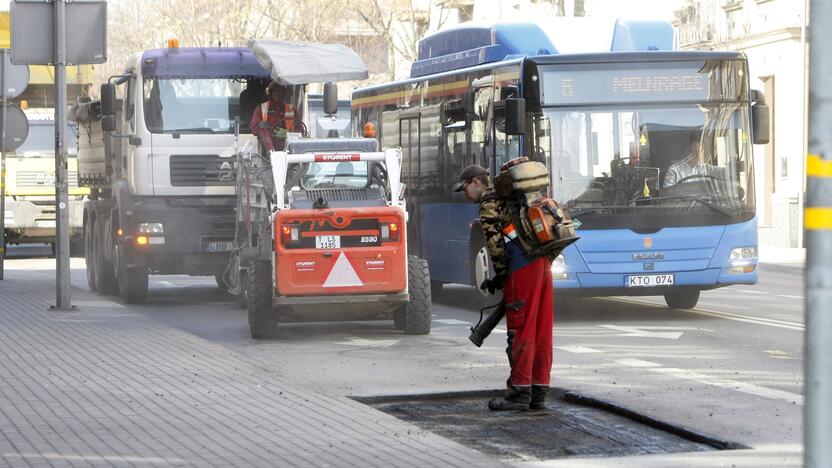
x=492, y=285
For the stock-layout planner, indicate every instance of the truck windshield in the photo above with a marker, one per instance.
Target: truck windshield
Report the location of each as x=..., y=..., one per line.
x=193, y=105
x=342, y=175
x=40, y=143
x=664, y=160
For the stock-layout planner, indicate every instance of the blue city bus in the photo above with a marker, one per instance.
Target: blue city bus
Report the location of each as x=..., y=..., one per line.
x=649, y=149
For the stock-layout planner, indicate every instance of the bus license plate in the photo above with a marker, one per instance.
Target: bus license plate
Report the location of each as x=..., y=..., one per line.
x=646, y=281
x=219, y=246
x=327, y=242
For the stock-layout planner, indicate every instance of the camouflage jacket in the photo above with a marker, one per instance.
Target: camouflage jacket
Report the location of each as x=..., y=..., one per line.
x=494, y=216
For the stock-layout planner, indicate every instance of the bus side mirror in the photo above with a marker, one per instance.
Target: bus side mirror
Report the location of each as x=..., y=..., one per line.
x=330, y=98
x=759, y=118
x=515, y=113
x=108, y=107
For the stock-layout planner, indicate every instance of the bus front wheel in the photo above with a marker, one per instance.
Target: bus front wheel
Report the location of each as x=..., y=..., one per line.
x=682, y=299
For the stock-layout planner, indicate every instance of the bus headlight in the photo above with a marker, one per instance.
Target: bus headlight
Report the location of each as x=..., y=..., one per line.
x=559, y=268
x=742, y=260
x=151, y=228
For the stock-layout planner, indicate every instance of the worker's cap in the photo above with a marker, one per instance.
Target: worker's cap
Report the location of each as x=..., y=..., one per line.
x=274, y=85
x=467, y=174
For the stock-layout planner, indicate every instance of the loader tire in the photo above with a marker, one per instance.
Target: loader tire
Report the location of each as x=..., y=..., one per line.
x=262, y=316
x=418, y=314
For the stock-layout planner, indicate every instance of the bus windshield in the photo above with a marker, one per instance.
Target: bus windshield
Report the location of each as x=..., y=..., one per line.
x=193, y=105
x=40, y=143
x=657, y=158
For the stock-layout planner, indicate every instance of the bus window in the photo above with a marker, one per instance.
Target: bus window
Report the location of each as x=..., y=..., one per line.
x=506, y=147
x=479, y=133
x=454, y=130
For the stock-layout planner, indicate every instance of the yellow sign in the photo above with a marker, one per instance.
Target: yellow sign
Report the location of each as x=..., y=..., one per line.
x=817, y=167
x=817, y=218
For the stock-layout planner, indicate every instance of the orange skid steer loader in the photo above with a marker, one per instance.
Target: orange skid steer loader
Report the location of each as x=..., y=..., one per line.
x=332, y=245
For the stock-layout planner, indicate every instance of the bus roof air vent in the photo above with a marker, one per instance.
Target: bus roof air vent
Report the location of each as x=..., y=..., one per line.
x=467, y=46
x=641, y=35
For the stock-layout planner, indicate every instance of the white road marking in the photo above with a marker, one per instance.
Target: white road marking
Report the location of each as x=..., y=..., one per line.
x=368, y=343
x=637, y=363
x=451, y=322
x=578, y=349
x=790, y=297
x=644, y=332
x=748, y=291
x=166, y=283
x=727, y=316
x=751, y=389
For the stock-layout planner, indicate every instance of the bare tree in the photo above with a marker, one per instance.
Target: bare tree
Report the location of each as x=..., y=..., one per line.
x=399, y=23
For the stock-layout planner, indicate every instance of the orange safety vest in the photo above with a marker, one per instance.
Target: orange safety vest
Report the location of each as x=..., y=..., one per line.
x=288, y=114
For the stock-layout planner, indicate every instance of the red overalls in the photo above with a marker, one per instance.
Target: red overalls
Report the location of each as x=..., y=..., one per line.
x=528, y=294
x=276, y=120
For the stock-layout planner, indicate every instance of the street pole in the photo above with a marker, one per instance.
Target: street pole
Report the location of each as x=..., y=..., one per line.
x=61, y=187
x=3, y=167
x=818, y=235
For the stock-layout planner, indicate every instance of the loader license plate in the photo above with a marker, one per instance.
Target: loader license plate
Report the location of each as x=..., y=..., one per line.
x=327, y=242
x=218, y=246
x=645, y=281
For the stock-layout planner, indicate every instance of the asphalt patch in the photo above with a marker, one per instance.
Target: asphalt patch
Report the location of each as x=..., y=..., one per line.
x=573, y=425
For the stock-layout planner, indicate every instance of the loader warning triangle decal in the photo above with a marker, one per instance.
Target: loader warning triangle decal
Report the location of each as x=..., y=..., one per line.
x=342, y=274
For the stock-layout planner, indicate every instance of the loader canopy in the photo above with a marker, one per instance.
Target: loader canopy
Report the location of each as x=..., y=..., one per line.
x=299, y=63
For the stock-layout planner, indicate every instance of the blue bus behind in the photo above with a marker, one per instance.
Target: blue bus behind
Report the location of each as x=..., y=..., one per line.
x=650, y=150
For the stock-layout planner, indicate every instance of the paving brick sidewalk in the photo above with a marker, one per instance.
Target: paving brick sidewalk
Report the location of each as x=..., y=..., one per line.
x=104, y=386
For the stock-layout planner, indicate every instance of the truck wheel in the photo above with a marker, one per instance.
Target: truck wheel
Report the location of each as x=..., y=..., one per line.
x=682, y=299
x=241, y=298
x=103, y=269
x=132, y=281
x=262, y=317
x=418, y=315
x=132, y=284
x=88, y=257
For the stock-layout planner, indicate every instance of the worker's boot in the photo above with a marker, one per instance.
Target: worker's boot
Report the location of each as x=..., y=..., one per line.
x=516, y=399
x=538, y=402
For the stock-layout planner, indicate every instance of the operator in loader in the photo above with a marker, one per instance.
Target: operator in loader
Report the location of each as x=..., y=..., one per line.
x=274, y=119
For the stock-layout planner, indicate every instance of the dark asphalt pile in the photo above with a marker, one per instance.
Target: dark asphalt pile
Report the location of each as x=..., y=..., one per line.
x=564, y=430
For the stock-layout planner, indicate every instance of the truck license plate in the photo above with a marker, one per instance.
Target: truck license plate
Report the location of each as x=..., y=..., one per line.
x=642, y=281
x=219, y=246
x=327, y=242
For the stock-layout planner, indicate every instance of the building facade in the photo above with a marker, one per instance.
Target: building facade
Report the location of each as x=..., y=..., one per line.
x=772, y=34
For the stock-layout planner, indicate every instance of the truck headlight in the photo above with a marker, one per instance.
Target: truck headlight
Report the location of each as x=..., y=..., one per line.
x=742, y=260
x=151, y=228
x=559, y=268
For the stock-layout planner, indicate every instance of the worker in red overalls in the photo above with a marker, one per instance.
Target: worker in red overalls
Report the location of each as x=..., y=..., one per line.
x=273, y=119
x=528, y=293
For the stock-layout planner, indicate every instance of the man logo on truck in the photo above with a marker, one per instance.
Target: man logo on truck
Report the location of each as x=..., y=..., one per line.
x=226, y=171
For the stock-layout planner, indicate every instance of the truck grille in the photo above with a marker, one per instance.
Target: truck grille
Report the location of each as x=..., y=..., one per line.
x=201, y=170
x=38, y=179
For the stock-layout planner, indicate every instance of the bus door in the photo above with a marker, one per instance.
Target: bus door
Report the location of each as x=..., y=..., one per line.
x=409, y=135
